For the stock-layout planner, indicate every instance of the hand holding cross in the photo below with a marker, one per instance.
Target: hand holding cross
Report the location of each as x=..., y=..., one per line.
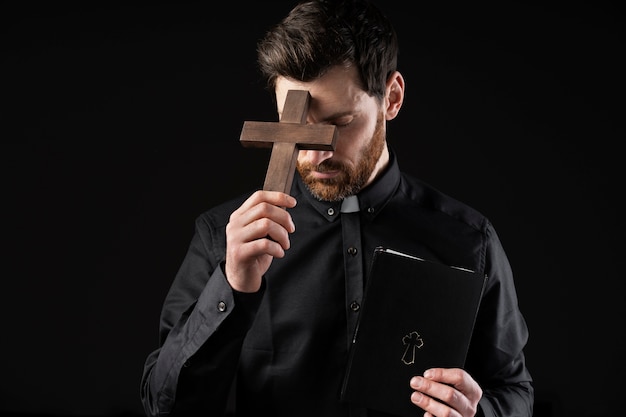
x=286, y=138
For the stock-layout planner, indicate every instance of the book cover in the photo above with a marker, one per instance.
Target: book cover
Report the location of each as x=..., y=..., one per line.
x=416, y=314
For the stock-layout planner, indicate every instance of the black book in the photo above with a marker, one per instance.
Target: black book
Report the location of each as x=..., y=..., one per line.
x=416, y=314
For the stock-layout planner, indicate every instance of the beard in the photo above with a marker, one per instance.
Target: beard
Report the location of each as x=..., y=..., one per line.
x=350, y=180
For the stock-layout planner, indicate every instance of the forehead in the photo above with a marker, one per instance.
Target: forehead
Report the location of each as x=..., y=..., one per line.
x=338, y=90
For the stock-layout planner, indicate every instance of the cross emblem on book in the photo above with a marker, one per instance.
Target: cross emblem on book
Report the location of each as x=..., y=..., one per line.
x=286, y=138
x=412, y=341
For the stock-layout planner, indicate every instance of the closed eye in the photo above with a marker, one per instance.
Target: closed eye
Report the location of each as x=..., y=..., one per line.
x=342, y=121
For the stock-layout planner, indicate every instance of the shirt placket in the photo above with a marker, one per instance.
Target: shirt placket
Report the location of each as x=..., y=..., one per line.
x=353, y=266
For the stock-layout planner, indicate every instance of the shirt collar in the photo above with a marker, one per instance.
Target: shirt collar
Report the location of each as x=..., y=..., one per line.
x=371, y=199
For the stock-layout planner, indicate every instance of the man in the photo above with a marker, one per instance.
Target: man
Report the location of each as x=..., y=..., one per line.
x=269, y=293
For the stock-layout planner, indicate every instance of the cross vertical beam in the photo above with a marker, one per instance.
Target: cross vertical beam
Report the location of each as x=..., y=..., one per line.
x=286, y=138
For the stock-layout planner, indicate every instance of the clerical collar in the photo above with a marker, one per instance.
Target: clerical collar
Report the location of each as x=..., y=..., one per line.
x=350, y=204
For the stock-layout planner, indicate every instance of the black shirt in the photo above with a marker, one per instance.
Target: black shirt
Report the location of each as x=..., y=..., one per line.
x=288, y=343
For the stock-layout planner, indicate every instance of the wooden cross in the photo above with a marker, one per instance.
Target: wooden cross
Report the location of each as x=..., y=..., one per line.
x=286, y=138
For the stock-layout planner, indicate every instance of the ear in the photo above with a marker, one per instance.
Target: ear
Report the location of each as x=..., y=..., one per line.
x=394, y=95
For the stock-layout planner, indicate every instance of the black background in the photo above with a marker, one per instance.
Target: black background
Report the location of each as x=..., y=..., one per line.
x=120, y=125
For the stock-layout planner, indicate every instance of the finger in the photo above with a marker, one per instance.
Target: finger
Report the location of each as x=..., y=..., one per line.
x=431, y=406
x=265, y=228
x=458, y=378
x=452, y=376
x=275, y=198
x=437, y=396
x=262, y=247
x=263, y=220
x=247, y=214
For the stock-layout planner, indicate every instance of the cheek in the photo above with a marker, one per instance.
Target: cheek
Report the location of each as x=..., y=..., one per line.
x=350, y=141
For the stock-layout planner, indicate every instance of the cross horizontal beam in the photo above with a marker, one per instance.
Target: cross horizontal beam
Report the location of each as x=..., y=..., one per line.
x=286, y=138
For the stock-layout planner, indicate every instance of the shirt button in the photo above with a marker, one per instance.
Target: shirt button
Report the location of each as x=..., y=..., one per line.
x=221, y=306
x=352, y=251
x=354, y=306
x=331, y=211
x=370, y=210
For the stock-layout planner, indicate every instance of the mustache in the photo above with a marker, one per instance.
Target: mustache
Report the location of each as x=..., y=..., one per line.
x=327, y=166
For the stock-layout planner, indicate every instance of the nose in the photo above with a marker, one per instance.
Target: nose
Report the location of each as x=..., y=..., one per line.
x=316, y=157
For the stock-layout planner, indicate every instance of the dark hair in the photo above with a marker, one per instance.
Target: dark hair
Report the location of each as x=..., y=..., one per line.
x=319, y=34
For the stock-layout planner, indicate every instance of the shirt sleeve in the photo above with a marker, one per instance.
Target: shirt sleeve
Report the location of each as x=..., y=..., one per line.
x=496, y=356
x=202, y=328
